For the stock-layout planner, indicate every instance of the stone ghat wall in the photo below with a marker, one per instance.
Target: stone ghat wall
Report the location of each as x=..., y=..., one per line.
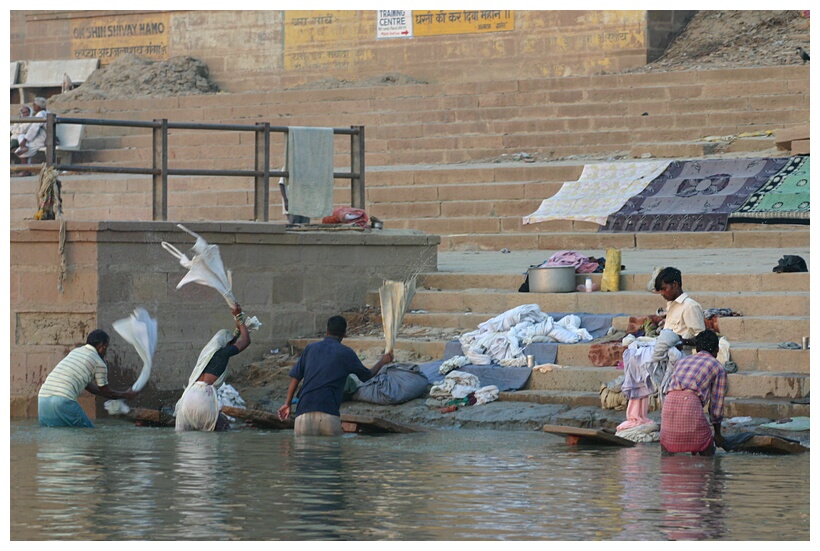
x=263, y=50
x=291, y=281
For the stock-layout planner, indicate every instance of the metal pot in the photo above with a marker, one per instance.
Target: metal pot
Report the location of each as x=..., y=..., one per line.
x=552, y=279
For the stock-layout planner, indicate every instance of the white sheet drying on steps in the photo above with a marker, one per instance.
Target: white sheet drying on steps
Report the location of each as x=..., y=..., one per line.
x=602, y=189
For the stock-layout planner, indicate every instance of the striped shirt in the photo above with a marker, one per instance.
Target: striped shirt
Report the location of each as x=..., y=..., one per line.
x=704, y=375
x=70, y=377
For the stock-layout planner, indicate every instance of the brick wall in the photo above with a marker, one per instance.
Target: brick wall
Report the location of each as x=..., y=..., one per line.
x=261, y=50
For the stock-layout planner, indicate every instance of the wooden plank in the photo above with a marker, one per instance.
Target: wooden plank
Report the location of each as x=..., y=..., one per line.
x=350, y=423
x=151, y=417
x=367, y=424
x=583, y=436
x=771, y=445
x=258, y=417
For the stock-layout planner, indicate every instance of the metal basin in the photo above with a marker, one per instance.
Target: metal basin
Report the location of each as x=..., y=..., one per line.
x=552, y=279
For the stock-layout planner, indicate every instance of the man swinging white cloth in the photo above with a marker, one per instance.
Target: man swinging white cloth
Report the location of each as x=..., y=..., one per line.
x=198, y=408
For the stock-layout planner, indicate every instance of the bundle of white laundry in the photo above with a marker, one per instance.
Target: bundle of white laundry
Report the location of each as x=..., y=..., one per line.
x=229, y=396
x=503, y=338
x=459, y=384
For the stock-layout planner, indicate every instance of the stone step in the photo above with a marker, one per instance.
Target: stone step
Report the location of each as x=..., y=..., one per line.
x=750, y=357
x=570, y=398
x=575, y=241
x=481, y=301
x=484, y=224
x=715, y=83
x=511, y=225
x=709, y=82
x=765, y=408
x=476, y=122
x=454, y=192
x=484, y=173
x=772, y=329
x=499, y=114
x=770, y=282
x=743, y=384
x=436, y=150
x=572, y=378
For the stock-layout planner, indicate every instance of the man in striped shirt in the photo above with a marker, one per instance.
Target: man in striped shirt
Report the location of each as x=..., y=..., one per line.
x=82, y=369
x=695, y=381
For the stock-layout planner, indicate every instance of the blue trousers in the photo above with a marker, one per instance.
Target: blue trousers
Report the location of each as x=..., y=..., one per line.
x=56, y=411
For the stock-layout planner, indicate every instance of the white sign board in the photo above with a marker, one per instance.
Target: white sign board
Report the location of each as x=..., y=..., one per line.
x=394, y=24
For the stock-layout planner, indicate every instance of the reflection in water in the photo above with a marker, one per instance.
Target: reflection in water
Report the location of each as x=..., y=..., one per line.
x=120, y=482
x=692, y=490
x=639, y=493
x=201, y=479
x=68, y=473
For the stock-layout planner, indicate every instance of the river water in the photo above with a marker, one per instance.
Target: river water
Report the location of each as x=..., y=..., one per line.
x=121, y=482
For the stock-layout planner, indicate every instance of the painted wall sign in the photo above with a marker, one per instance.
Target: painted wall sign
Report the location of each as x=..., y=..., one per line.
x=109, y=37
x=431, y=23
x=326, y=39
x=394, y=24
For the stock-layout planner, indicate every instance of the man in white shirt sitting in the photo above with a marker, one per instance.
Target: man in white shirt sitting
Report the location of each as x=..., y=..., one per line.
x=684, y=316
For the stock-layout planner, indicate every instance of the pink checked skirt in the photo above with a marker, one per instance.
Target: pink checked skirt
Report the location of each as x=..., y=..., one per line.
x=684, y=427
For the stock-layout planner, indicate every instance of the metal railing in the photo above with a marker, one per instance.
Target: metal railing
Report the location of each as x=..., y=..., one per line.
x=160, y=172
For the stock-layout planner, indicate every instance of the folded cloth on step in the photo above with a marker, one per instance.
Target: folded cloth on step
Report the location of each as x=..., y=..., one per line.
x=453, y=363
x=546, y=368
x=456, y=384
x=582, y=263
x=486, y=394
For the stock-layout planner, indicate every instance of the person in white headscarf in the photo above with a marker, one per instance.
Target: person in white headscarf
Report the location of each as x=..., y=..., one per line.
x=18, y=129
x=198, y=408
x=35, y=136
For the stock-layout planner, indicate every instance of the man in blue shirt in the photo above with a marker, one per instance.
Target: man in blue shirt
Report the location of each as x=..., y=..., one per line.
x=323, y=368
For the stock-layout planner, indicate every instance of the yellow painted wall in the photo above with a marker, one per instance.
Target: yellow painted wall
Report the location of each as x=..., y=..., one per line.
x=260, y=50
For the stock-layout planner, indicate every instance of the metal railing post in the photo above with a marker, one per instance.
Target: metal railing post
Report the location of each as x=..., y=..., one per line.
x=261, y=182
x=357, y=168
x=51, y=134
x=160, y=180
